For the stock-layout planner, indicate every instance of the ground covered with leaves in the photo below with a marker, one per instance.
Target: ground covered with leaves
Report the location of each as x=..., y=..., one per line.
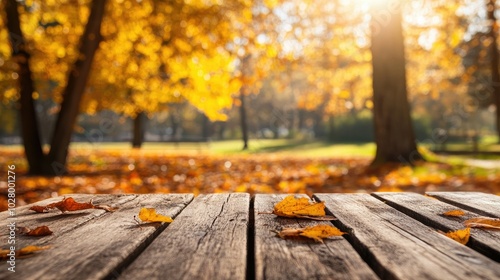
x=136, y=171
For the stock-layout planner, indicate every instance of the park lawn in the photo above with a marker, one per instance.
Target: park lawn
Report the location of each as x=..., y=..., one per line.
x=270, y=166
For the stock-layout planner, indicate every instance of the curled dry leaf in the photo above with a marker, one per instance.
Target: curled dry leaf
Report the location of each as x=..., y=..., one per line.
x=461, y=235
x=28, y=250
x=69, y=204
x=39, y=231
x=149, y=215
x=454, y=213
x=301, y=208
x=317, y=232
x=483, y=222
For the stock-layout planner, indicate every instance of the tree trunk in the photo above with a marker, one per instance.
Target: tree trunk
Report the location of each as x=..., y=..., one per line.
x=222, y=129
x=243, y=119
x=74, y=90
x=29, y=122
x=206, y=129
x=495, y=74
x=138, y=134
x=394, y=134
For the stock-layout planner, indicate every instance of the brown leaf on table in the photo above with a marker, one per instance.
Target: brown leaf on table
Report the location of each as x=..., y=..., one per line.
x=483, y=222
x=39, y=231
x=69, y=204
x=149, y=215
x=454, y=213
x=461, y=235
x=292, y=207
x=317, y=232
x=28, y=250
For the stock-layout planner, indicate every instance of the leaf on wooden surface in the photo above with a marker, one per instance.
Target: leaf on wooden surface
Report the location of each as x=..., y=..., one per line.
x=149, y=215
x=292, y=207
x=483, y=222
x=69, y=204
x=39, y=231
x=454, y=213
x=317, y=232
x=28, y=250
x=461, y=235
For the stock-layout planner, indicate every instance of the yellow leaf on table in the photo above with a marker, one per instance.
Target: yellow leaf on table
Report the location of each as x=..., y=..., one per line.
x=461, y=235
x=454, y=213
x=483, y=222
x=28, y=250
x=149, y=215
x=301, y=208
x=317, y=232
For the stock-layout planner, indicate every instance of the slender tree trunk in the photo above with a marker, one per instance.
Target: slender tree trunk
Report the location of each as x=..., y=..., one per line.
x=138, y=133
x=394, y=134
x=495, y=73
x=243, y=119
x=76, y=86
x=222, y=129
x=206, y=129
x=29, y=121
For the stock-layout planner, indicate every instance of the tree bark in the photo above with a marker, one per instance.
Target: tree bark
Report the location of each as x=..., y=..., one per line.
x=206, y=129
x=74, y=90
x=495, y=73
x=394, y=133
x=29, y=121
x=243, y=119
x=138, y=133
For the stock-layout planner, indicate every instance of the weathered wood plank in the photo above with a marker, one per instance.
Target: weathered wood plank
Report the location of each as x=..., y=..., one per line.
x=429, y=211
x=398, y=247
x=98, y=248
x=481, y=203
x=55, y=219
x=208, y=240
x=276, y=258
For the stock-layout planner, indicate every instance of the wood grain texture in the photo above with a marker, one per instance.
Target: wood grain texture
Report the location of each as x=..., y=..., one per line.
x=208, y=240
x=430, y=212
x=99, y=247
x=481, y=203
x=276, y=258
x=398, y=247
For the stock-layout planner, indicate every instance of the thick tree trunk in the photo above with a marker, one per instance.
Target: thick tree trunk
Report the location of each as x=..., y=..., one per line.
x=74, y=90
x=394, y=134
x=138, y=133
x=29, y=122
x=243, y=119
x=495, y=73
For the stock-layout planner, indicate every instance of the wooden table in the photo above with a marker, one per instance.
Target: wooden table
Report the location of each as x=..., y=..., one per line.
x=225, y=236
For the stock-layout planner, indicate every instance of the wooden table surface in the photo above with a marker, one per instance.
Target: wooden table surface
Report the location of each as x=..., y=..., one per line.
x=226, y=236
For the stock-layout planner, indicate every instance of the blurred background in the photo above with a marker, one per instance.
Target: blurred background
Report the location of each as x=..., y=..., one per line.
x=257, y=96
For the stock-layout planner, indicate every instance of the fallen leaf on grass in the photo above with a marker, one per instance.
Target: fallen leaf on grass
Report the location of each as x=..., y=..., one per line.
x=483, y=222
x=39, y=231
x=69, y=204
x=28, y=250
x=301, y=208
x=461, y=235
x=149, y=215
x=454, y=213
x=315, y=232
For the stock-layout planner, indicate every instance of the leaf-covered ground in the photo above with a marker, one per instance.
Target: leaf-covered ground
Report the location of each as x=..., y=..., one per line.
x=131, y=171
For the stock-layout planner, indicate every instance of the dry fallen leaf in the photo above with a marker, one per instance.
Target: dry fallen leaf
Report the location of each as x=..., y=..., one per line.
x=461, y=235
x=69, y=204
x=483, y=222
x=28, y=250
x=454, y=213
x=39, y=231
x=149, y=215
x=301, y=208
x=317, y=232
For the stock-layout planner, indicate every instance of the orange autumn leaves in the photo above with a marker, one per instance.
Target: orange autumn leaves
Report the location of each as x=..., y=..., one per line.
x=462, y=235
x=291, y=207
x=149, y=215
x=69, y=204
